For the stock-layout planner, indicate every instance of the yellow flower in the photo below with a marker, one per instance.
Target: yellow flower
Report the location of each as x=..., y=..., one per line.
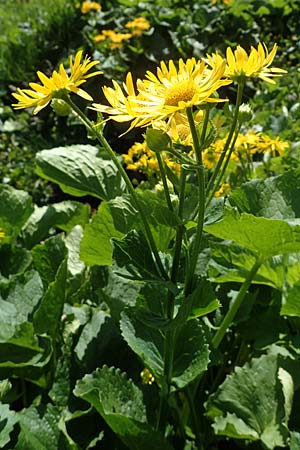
x=60, y=82
x=116, y=39
x=86, y=7
x=225, y=2
x=141, y=159
x=223, y=190
x=2, y=234
x=147, y=377
x=161, y=96
x=257, y=64
x=138, y=25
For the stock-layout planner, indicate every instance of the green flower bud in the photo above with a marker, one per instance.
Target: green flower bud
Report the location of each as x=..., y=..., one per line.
x=60, y=107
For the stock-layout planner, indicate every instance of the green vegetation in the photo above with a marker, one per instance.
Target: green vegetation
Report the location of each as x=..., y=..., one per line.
x=150, y=278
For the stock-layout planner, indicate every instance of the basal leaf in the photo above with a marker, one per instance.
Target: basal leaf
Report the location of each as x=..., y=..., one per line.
x=79, y=171
x=291, y=301
x=121, y=405
x=48, y=257
x=47, y=316
x=8, y=419
x=15, y=208
x=276, y=197
x=265, y=237
x=295, y=440
x=64, y=215
x=96, y=247
x=39, y=428
x=254, y=402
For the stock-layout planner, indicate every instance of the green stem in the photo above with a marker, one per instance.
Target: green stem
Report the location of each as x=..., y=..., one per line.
x=164, y=180
x=127, y=181
x=224, y=167
x=194, y=417
x=235, y=305
x=212, y=186
x=198, y=145
x=170, y=334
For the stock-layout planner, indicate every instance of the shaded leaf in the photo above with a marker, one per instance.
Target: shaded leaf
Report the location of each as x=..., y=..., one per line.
x=121, y=405
x=8, y=419
x=79, y=171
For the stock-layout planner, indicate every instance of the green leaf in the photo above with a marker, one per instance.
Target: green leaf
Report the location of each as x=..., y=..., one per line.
x=147, y=342
x=94, y=337
x=291, y=302
x=79, y=171
x=121, y=405
x=51, y=305
x=275, y=198
x=8, y=419
x=39, y=429
x=232, y=263
x=132, y=252
x=295, y=440
x=64, y=215
x=254, y=402
x=265, y=237
x=191, y=356
x=96, y=247
x=15, y=208
x=201, y=302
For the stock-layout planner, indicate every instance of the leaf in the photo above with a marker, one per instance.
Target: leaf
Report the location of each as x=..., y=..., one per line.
x=254, y=402
x=295, y=440
x=132, y=252
x=39, y=428
x=147, y=342
x=121, y=405
x=64, y=215
x=201, y=302
x=96, y=247
x=79, y=171
x=48, y=257
x=51, y=305
x=266, y=237
x=275, y=198
x=191, y=356
x=15, y=208
x=291, y=302
x=8, y=419
x=94, y=337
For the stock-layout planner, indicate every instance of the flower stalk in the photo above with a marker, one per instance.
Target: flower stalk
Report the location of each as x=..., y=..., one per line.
x=127, y=181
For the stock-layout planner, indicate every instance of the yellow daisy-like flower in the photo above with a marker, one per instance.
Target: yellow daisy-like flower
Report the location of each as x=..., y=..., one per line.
x=86, y=7
x=2, y=234
x=161, y=96
x=225, y=2
x=240, y=65
x=116, y=39
x=138, y=25
x=40, y=95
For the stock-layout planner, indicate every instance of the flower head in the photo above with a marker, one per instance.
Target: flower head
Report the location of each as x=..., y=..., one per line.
x=138, y=25
x=116, y=39
x=161, y=96
x=60, y=82
x=2, y=234
x=87, y=6
x=257, y=64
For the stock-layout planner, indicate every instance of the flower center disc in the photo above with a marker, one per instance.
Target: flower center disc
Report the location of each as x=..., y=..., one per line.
x=183, y=91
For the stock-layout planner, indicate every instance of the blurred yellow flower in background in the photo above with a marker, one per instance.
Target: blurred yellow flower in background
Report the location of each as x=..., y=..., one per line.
x=2, y=234
x=225, y=2
x=116, y=39
x=138, y=25
x=87, y=6
x=60, y=82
